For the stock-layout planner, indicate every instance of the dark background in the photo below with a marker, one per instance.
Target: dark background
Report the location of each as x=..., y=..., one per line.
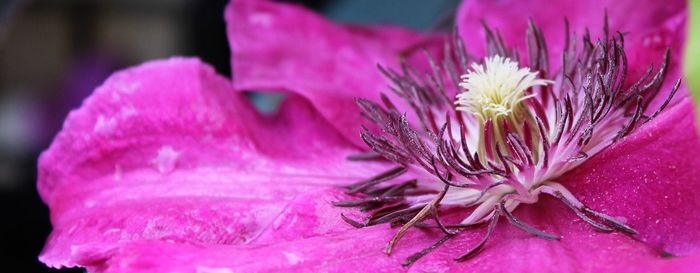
x=54, y=53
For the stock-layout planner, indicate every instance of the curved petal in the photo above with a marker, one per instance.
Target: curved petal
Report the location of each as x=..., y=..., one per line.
x=167, y=150
x=361, y=250
x=306, y=234
x=651, y=179
x=287, y=48
x=649, y=27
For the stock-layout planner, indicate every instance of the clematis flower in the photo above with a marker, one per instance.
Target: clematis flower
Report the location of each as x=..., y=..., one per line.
x=167, y=167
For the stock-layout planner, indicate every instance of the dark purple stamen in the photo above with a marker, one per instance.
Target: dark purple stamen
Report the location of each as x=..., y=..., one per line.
x=385, y=176
x=371, y=155
x=351, y=221
x=526, y=227
x=492, y=225
x=611, y=221
x=582, y=215
x=413, y=258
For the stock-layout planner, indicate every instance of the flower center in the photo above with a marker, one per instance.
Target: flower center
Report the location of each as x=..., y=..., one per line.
x=495, y=92
x=509, y=136
x=496, y=89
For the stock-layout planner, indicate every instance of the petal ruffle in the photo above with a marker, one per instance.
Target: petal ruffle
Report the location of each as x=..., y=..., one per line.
x=167, y=150
x=286, y=48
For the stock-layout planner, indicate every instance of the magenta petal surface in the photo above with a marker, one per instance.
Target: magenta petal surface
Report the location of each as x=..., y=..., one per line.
x=649, y=27
x=650, y=178
x=282, y=47
x=360, y=250
x=169, y=151
x=193, y=219
x=642, y=21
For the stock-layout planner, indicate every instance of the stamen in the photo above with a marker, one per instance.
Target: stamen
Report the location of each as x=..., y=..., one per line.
x=365, y=156
x=492, y=225
x=388, y=175
x=526, y=227
x=571, y=204
x=666, y=102
x=611, y=221
x=436, y=217
x=423, y=212
x=390, y=213
x=457, y=226
x=632, y=122
x=413, y=258
x=351, y=221
x=400, y=188
x=364, y=201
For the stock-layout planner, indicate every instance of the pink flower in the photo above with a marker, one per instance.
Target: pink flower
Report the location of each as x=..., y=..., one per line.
x=168, y=168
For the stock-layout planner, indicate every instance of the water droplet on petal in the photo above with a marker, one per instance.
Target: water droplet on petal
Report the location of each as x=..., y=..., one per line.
x=104, y=124
x=260, y=19
x=205, y=269
x=166, y=159
x=117, y=172
x=292, y=257
x=657, y=40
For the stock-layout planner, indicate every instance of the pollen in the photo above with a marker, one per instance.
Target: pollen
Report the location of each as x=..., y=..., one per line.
x=496, y=88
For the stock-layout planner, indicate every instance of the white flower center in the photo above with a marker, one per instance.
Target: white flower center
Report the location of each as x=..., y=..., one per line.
x=495, y=88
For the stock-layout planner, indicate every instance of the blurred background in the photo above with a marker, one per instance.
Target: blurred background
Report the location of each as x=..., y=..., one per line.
x=54, y=53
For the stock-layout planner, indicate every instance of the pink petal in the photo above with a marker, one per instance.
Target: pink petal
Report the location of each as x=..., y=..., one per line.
x=649, y=27
x=650, y=178
x=641, y=20
x=354, y=250
x=168, y=150
x=284, y=47
x=307, y=234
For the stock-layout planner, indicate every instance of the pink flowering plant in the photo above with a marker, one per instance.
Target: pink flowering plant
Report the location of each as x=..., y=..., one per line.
x=538, y=136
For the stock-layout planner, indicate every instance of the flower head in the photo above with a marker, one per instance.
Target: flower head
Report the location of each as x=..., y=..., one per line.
x=252, y=192
x=524, y=133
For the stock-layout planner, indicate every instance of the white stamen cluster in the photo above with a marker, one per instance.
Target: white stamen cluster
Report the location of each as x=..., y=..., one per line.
x=495, y=88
